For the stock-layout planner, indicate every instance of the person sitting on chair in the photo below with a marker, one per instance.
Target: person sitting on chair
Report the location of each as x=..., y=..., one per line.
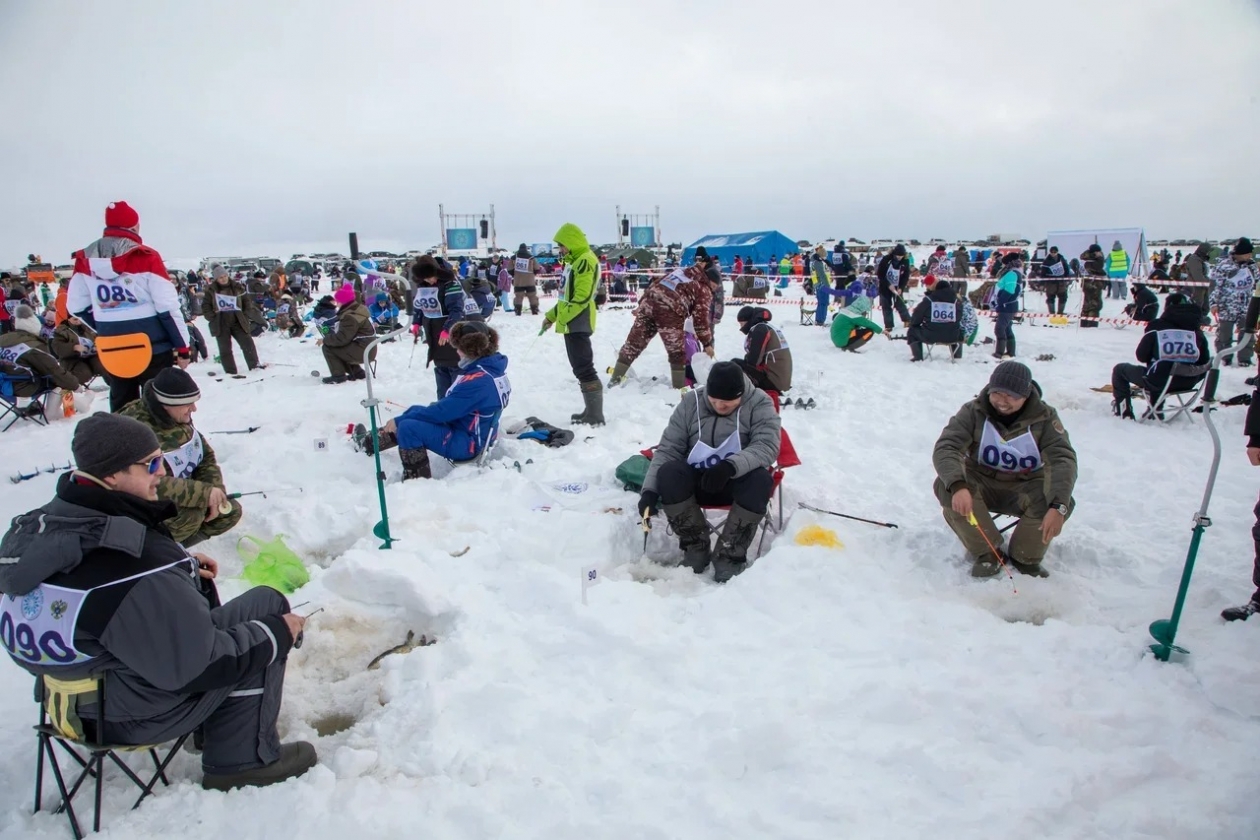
x=22, y=351
x=1176, y=337
x=192, y=480
x=74, y=346
x=125, y=603
x=461, y=424
x=936, y=320
x=1006, y=452
x=718, y=449
x=767, y=360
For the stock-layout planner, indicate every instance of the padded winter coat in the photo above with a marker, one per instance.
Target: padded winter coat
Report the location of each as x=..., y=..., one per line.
x=575, y=311
x=1184, y=316
x=694, y=419
x=1232, y=286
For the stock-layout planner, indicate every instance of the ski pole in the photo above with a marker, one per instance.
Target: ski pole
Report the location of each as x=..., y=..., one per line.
x=971, y=517
x=847, y=516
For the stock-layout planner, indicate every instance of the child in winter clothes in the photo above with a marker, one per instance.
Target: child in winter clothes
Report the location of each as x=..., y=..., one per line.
x=383, y=311
x=1010, y=287
x=464, y=422
x=851, y=328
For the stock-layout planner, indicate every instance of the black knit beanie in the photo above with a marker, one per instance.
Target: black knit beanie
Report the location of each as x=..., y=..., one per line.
x=725, y=382
x=105, y=444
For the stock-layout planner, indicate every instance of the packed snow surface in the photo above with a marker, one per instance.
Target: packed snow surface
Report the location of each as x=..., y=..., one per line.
x=871, y=691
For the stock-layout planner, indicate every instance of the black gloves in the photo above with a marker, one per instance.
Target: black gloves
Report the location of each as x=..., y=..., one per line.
x=714, y=479
x=648, y=501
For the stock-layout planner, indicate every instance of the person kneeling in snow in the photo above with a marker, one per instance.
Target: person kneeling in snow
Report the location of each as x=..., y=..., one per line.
x=192, y=480
x=1176, y=337
x=851, y=329
x=125, y=603
x=1006, y=452
x=460, y=425
x=767, y=360
x=718, y=449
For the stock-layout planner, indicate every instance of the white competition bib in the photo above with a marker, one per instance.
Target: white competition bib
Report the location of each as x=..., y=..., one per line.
x=702, y=456
x=522, y=265
x=505, y=389
x=944, y=313
x=893, y=276
x=760, y=283
x=225, y=303
x=11, y=354
x=1020, y=455
x=671, y=280
x=1177, y=346
x=11, y=306
x=117, y=293
x=471, y=307
x=89, y=346
x=182, y=462
x=427, y=303
x=38, y=628
x=282, y=309
x=1056, y=270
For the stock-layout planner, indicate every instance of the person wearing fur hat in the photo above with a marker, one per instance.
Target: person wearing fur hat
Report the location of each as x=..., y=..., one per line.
x=437, y=307
x=1233, y=282
x=146, y=617
x=718, y=449
x=74, y=345
x=229, y=308
x=1006, y=452
x=767, y=360
x=345, y=344
x=23, y=351
x=192, y=478
x=525, y=271
x=463, y=422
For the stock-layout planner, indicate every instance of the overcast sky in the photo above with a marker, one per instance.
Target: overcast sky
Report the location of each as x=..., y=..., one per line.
x=246, y=127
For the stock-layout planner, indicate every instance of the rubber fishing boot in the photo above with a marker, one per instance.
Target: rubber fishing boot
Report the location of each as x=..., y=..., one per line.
x=731, y=557
x=619, y=372
x=593, y=396
x=295, y=759
x=1010, y=348
x=678, y=377
x=363, y=439
x=688, y=523
x=999, y=349
x=415, y=463
x=986, y=565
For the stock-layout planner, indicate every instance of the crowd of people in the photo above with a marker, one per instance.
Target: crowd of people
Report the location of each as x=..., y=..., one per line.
x=147, y=486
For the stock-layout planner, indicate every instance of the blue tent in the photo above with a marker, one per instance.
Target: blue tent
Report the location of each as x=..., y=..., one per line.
x=760, y=245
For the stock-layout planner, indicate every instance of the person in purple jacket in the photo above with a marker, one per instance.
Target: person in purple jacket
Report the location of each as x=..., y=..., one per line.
x=463, y=422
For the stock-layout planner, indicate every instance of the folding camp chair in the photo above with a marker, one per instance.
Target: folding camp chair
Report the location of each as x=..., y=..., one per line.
x=1157, y=406
x=770, y=523
x=955, y=350
x=35, y=410
x=59, y=721
x=482, y=459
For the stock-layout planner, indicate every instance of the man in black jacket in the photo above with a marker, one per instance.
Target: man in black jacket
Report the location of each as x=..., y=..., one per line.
x=936, y=320
x=1176, y=337
x=1055, y=273
x=894, y=279
x=95, y=577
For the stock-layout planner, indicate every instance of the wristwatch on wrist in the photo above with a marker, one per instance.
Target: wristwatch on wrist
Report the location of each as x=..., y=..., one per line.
x=1062, y=509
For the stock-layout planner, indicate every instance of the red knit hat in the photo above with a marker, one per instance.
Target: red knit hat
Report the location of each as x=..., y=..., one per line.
x=120, y=215
x=929, y=281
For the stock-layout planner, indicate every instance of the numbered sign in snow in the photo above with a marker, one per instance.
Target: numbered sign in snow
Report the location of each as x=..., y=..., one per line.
x=572, y=487
x=321, y=444
x=590, y=577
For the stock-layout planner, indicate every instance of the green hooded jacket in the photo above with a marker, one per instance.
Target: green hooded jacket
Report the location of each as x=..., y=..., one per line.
x=853, y=315
x=575, y=311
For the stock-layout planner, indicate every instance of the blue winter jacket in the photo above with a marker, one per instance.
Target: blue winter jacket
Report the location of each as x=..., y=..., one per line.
x=459, y=425
x=1009, y=289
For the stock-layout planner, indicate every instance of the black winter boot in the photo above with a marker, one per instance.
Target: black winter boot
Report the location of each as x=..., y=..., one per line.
x=1010, y=347
x=1123, y=408
x=731, y=557
x=335, y=379
x=916, y=351
x=363, y=439
x=1241, y=613
x=415, y=463
x=593, y=396
x=295, y=759
x=692, y=529
x=999, y=348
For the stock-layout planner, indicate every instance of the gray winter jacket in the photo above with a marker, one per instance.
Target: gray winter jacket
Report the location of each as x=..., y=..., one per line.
x=694, y=419
x=96, y=587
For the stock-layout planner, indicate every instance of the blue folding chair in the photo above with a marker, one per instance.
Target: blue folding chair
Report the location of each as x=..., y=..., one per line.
x=35, y=410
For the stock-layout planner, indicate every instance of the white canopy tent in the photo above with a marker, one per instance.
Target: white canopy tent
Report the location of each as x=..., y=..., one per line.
x=1072, y=243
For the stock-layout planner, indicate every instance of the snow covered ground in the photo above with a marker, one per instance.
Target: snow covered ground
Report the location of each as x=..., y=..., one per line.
x=875, y=691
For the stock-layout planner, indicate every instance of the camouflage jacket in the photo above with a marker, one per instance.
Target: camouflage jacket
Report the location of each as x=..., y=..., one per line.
x=1233, y=284
x=190, y=492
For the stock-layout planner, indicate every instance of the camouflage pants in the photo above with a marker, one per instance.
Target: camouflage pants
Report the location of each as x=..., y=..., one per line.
x=1024, y=499
x=1093, y=298
x=648, y=321
x=189, y=526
